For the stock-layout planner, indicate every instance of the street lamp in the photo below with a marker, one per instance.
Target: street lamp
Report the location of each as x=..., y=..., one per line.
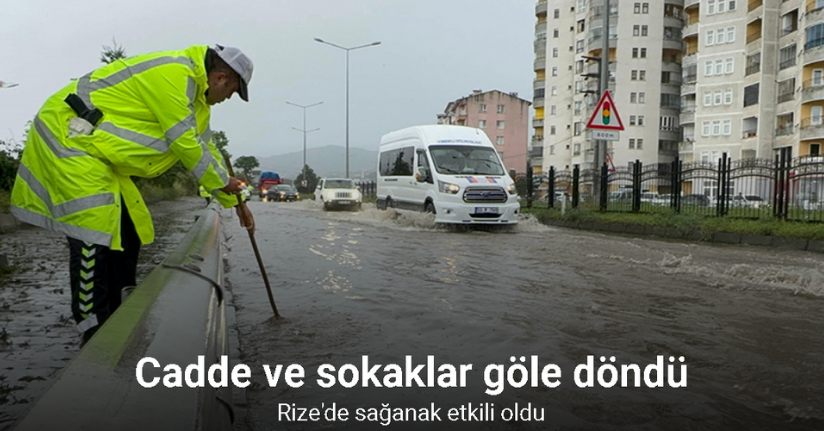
x=303, y=169
x=347, y=89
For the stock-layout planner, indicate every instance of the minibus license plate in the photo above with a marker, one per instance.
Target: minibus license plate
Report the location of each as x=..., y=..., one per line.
x=486, y=210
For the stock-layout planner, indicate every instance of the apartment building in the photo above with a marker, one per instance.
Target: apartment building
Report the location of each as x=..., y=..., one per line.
x=503, y=116
x=757, y=85
x=693, y=78
x=645, y=52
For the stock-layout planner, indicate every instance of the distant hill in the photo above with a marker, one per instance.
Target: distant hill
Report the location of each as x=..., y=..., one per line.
x=328, y=161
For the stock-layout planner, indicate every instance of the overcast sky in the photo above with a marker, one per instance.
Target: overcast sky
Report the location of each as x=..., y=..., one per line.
x=431, y=52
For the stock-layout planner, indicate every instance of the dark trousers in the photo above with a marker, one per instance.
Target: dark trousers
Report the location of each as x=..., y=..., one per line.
x=97, y=274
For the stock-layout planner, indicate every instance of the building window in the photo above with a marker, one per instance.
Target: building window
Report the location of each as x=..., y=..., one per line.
x=728, y=97
x=500, y=140
x=815, y=36
x=718, y=97
x=708, y=98
x=633, y=97
x=710, y=7
x=639, y=143
x=709, y=39
x=551, y=130
x=786, y=57
x=555, y=71
x=500, y=124
x=555, y=33
x=557, y=13
x=631, y=143
x=708, y=68
x=645, y=8
x=640, y=120
x=632, y=120
x=730, y=65
x=719, y=36
x=705, y=128
x=552, y=110
x=552, y=150
x=751, y=95
x=554, y=52
x=716, y=127
x=633, y=75
x=482, y=124
x=815, y=150
x=642, y=75
x=637, y=8
x=643, y=51
x=501, y=109
x=636, y=30
x=722, y=6
x=554, y=92
x=578, y=127
x=727, y=128
x=643, y=30
x=641, y=97
x=579, y=46
x=730, y=34
x=482, y=108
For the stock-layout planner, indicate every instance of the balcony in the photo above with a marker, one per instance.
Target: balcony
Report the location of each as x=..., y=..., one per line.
x=749, y=134
x=687, y=89
x=540, y=64
x=786, y=97
x=540, y=28
x=753, y=35
x=785, y=130
x=754, y=9
x=753, y=67
x=812, y=90
x=538, y=84
x=689, y=60
x=687, y=117
x=812, y=128
x=538, y=102
x=675, y=44
x=813, y=51
x=673, y=134
x=537, y=122
x=540, y=8
x=815, y=11
x=690, y=3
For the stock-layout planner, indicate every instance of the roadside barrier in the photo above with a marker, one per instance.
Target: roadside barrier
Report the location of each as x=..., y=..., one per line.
x=174, y=316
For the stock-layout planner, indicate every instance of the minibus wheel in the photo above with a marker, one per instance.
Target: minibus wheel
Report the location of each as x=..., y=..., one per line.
x=429, y=208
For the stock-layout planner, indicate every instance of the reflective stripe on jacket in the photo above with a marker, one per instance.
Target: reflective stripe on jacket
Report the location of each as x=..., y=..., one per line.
x=154, y=114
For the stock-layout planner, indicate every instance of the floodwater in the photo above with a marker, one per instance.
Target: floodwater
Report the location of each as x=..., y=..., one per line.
x=746, y=321
x=37, y=333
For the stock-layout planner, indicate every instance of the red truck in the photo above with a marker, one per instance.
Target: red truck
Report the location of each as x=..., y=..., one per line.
x=268, y=179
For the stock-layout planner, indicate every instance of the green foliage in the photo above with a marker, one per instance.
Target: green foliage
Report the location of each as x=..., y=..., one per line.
x=9, y=161
x=246, y=164
x=311, y=180
x=5, y=201
x=221, y=142
x=112, y=53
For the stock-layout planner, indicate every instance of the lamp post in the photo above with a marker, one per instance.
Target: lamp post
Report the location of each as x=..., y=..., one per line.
x=347, y=89
x=303, y=169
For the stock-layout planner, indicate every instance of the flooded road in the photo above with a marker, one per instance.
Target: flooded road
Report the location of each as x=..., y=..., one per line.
x=747, y=322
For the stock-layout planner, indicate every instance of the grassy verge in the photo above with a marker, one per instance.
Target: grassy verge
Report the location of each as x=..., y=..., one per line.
x=687, y=223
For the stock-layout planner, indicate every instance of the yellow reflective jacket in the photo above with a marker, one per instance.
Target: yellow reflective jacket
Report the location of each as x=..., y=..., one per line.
x=154, y=114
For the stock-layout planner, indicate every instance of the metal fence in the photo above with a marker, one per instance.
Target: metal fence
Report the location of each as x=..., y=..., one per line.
x=368, y=188
x=783, y=188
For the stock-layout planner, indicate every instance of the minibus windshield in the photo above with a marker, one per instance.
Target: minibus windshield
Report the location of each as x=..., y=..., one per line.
x=465, y=160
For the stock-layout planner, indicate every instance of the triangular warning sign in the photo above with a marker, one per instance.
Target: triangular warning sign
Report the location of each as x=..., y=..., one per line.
x=605, y=116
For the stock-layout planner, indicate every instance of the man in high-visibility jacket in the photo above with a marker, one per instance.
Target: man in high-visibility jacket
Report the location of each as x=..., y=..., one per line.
x=133, y=117
x=205, y=194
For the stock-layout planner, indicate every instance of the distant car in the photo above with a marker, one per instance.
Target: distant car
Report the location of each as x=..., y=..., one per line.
x=338, y=193
x=282, y=193
x=697, y=200
x=747, y=201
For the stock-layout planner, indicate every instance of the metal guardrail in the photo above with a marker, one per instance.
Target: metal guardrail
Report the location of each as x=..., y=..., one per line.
x=175, y=315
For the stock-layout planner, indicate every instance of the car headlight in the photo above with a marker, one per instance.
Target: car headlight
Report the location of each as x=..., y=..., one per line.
x=511, y=189
x=450, y=188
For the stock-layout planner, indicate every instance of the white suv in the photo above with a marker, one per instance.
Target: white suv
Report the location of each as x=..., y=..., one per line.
x=338, y=193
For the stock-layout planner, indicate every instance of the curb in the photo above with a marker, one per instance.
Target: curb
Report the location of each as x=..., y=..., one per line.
x=781, y=243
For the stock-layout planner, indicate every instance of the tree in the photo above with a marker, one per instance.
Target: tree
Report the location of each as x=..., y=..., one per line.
x=311, y=180
x=9, y=161
x=112, y=53
x=221, y=141
x=246, y=164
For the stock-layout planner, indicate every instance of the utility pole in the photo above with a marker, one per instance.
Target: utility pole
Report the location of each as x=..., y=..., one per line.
x=600, y=153
x=303, y=169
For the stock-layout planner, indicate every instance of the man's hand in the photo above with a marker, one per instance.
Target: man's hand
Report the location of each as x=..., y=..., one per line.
x=233, y=187
x=245, y=216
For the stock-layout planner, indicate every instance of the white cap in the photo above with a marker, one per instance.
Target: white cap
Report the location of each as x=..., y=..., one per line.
x=241, y=64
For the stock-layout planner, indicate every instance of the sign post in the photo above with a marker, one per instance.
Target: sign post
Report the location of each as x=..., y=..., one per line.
x=605, y=122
